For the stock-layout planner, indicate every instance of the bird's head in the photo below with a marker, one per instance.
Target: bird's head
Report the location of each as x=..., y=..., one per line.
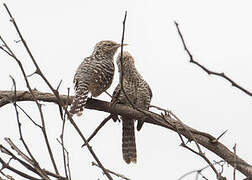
x=104, y=49
x=127, y=61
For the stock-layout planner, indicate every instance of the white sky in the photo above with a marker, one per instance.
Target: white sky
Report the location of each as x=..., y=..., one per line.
x=62, y=33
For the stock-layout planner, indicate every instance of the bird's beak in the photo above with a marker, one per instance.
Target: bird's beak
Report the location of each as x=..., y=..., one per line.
x=119, y=45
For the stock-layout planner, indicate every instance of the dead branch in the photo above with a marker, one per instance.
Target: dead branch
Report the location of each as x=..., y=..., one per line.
x=204, y=139
x=64, y=151
x=198, y=171
x=209, y=72
x=98, y=128
x=234, y=173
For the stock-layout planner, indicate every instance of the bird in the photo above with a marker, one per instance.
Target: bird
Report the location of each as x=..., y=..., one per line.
x=139, y=93
x=94, y=74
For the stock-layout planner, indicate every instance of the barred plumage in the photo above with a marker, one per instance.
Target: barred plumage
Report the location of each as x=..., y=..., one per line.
x=94, y=74
x=139, y=93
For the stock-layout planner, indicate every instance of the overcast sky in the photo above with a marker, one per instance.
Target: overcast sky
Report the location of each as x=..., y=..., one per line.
x=62, y=33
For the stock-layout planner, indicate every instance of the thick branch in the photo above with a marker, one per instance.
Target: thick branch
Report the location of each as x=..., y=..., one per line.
x=202, y=138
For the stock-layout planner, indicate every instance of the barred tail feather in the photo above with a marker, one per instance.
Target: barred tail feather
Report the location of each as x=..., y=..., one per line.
x=128, y=141
x=80, y=99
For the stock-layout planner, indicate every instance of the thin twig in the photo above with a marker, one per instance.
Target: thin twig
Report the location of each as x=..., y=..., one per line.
x=47, y=141
x=98, y=128
x=14, y=147
x=116, y=174
x=122, y=68
x=20, y=173
x=26, y=165
x=59, y=85
x=29, y=117
x=108, y=94
x=221, y=135
x=234, y=173
x=200, y=170
x=209, y=72
x=62, y=137
x=68, y=166
x=64, y=151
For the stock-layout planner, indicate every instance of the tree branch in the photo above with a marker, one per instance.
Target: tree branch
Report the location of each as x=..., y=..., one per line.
x=98, y=128
x=204, y=139
x=209, y=72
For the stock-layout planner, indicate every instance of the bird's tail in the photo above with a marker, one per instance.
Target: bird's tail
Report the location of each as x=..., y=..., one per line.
x=80, y=99
x=128, y=141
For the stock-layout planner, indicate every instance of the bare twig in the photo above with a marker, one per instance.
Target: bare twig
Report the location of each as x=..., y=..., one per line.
x=26, y=165
x=209, y=72
x=29, y=117
x=47, y=142
x=62, y=136
x=59, y=85
x=22, y=174
x=98, y=128
x=234, y=176
x=116, y=174
x=68, y=165
x=108, y=94
x=14, y=147
x=64, y=157
x=221, y=163
x=121, y=64
x=64, y=151
x=221, y=135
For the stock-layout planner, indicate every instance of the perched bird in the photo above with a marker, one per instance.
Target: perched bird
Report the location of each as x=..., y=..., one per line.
x=94, y=74
x=139, y=93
